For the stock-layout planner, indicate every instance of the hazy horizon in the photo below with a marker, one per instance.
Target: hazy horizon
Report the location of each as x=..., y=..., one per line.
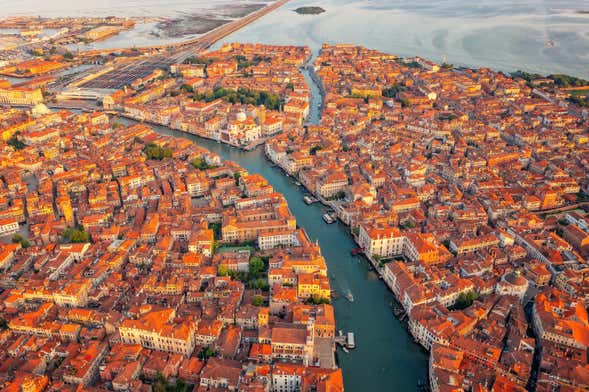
x=539, y=36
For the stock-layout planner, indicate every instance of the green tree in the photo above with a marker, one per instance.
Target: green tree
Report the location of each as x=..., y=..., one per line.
x=314, y=149
x=579, y=100
x=187, y=88
x=242, y=95
x=201, y=164
x=217, y=229
x=256, y=266
x=391, y=92
x=413, y=64
x=222, y=270
x=206, y=353
x=198, y=60
x=316, y=299
x=75, y=235
x=258, y=284
x=17, y=238
x=566, y=81
x=465, y=300
x=180, y=386
x=154, y=151
x=526, y=76
x=338, y=196
x=258, y=300
x=15, y=142
x=160, y=384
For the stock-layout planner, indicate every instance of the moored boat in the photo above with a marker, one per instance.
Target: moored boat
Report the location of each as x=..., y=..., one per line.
x=309, y=199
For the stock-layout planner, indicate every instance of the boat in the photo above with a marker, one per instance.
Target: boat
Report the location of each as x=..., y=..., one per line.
x=297, y=183
x=350, y=296
x=328, y=219
x=350, y=341
x=309, y=199
x=345, y=350
x=356, y=251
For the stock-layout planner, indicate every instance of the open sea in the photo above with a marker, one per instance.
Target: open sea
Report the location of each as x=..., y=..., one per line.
x=545, y=36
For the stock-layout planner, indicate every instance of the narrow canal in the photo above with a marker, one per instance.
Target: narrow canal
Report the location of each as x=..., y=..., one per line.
x=386, y=357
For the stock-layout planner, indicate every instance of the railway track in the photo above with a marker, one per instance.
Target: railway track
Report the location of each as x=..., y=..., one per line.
x=177, y=52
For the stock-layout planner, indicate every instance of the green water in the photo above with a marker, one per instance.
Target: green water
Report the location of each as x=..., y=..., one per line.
x=386, y=358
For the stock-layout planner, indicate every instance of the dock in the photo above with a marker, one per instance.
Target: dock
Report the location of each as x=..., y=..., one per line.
x=310, y=199
x=347, y=341
x=328, y=218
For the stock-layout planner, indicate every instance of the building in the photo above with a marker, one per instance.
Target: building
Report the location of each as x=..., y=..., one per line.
x=157, y=331
x=381, y=241
x=20, y=96
x=271, y=240
x=221, y=373
x=560, y=319
x=8, y=226
x=313, y=285
x=332, y=184
x=293, y=342
x=576, y=236
x=512, y=283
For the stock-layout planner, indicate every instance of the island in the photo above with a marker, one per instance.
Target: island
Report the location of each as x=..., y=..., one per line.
x=309, y=10
x=139, y=251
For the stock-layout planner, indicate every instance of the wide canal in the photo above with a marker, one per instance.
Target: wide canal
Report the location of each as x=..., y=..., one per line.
x=386, y=357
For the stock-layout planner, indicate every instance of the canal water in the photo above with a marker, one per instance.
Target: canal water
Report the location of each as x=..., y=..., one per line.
x=386, y=357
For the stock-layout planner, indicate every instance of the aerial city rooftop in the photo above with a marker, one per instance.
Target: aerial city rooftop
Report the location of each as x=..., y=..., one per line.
x=131, y=260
